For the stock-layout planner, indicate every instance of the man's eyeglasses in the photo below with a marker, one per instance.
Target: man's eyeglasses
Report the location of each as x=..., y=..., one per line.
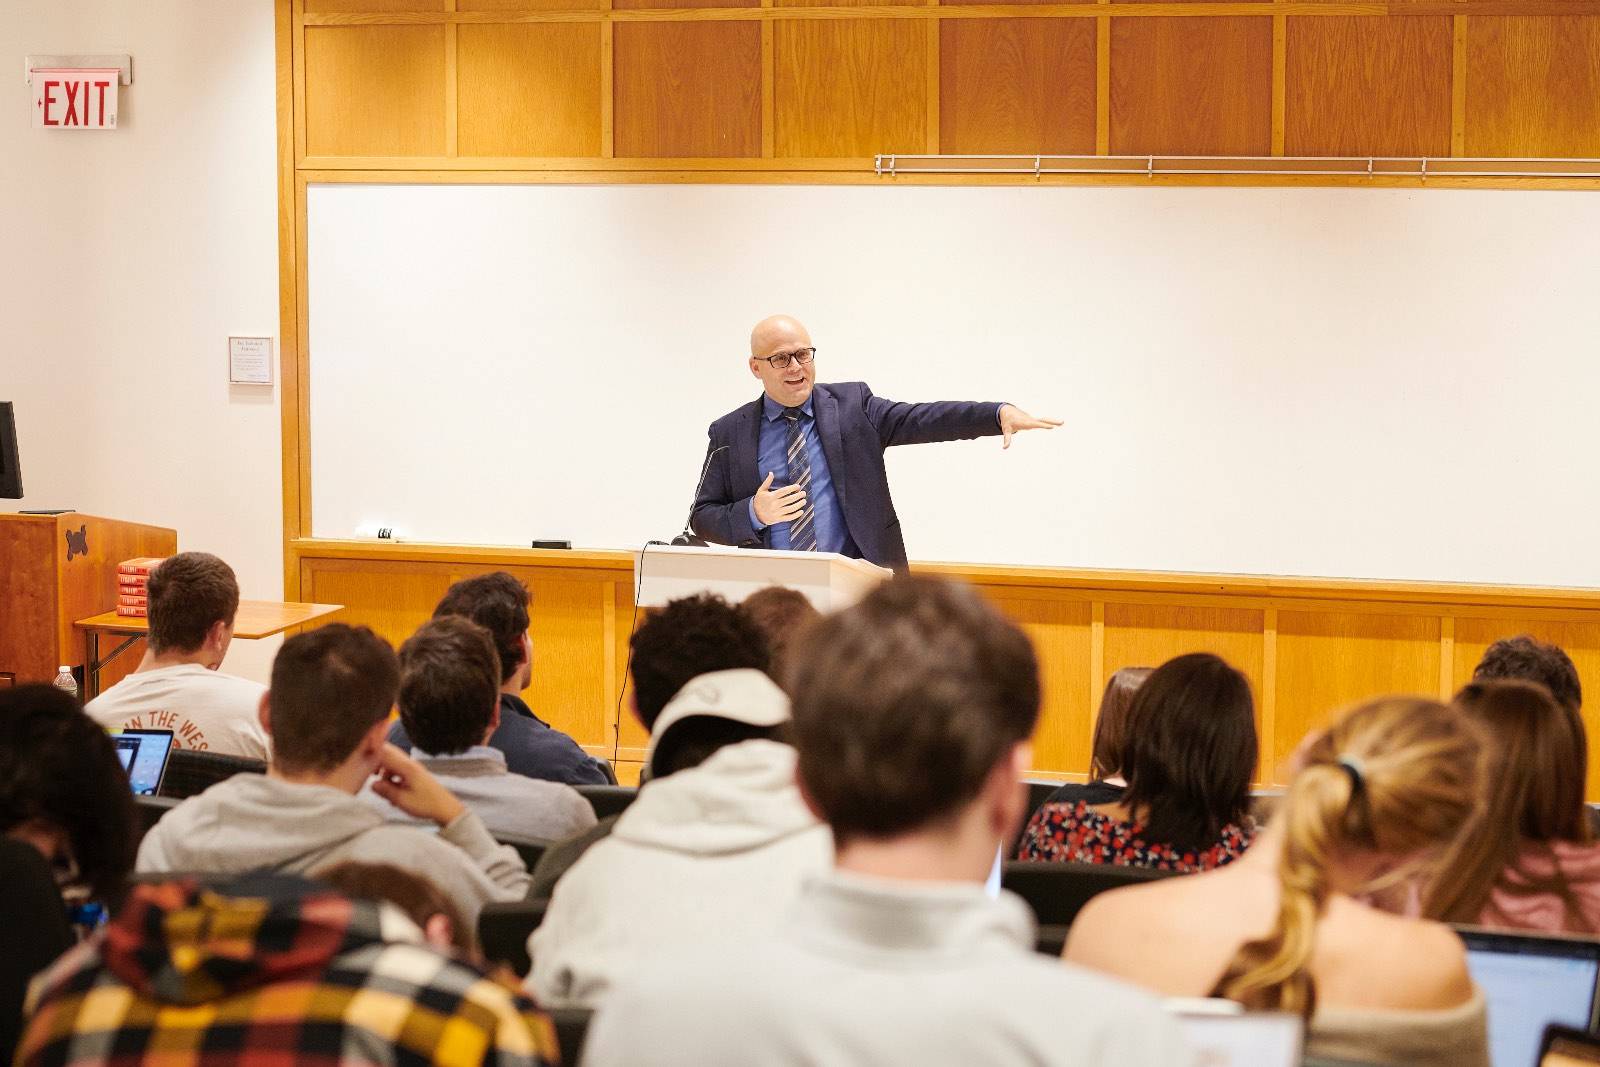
x=781, y=360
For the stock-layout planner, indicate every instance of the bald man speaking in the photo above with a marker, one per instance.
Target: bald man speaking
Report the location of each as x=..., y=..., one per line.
x=801, y=467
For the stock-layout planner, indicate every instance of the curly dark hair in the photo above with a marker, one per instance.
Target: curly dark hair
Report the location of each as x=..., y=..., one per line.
x=498, y=602
x=685, y=639
x=59, y=768
x=1526, y=659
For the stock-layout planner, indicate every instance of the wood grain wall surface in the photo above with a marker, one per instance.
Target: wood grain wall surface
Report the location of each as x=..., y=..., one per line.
x=806, y=85
x=810, y=90
x=1309, y=647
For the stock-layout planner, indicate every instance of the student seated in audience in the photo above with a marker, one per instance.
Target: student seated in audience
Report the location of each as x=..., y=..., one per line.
x=781, y=613
x=1525, y=659
x=716, y=847
x=499, y=603
x=450, y=705
x=681, y=640
x=66, y=832
x=1106, y=781
x=912, y=715
x=273, y=970
x=1533, y=864
x=1389, y=786
x=193, y=598
x=328, y=711
x=1189, y=753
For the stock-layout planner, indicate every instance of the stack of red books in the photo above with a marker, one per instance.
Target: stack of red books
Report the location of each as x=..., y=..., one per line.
x=133, y=578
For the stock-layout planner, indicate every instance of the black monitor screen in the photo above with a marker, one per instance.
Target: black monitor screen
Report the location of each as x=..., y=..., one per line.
x=10, y=473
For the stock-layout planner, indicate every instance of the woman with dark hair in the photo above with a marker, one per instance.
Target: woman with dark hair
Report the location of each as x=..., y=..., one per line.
x=1189, y=753
x=66, y=817
x=1533, y=864
x=1106, y=780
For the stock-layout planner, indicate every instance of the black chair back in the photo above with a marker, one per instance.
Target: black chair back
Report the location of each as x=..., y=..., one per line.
x=531, y=849
x=190, y=772
x=149, y=811
x=503, y=932
x=608, y=800
x=572, y=1029
x=1058, y=891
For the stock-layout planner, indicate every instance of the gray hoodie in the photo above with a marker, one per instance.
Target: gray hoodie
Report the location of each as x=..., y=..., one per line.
x=718, y=851
x=252, y=822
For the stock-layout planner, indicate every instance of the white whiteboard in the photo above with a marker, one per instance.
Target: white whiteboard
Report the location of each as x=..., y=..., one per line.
x=1338, y=382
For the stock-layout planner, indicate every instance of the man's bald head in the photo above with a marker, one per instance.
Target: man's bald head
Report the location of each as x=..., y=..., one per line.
x=779, y=335
x=776, y=333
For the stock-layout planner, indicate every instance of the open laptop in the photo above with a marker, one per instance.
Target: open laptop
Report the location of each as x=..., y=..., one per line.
x=144, y=755
x=1531, y=981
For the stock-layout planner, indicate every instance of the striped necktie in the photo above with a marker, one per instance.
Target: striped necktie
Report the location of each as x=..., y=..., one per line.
x=803, y=530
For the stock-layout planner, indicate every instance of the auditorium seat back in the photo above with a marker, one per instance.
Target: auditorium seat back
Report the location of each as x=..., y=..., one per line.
x=608, y=800
x=190, y=772
x=148, y=811
x=1058, y=891
x=503, y=932
x=531, y=849
x=572, y=1029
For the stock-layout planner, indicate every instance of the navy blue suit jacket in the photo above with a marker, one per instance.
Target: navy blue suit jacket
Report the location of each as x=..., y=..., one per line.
x=855, y=428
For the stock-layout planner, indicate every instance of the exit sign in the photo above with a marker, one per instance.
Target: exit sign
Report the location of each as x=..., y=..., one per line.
x=74, y=98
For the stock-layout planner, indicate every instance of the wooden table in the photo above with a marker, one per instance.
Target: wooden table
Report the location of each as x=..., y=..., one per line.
x=256, y=619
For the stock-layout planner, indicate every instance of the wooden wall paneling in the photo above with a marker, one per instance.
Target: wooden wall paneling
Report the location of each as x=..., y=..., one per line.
x=531, y=5
x=1458, y=85
x=391, y=598
x=375, y=90
x=1060, y=632
x=1191, y=86
x=1533, y=86
x=288, y=298
x=29, y=642
x=1102, y=85
x=631, y=736
x=850, y=87
x=569, y=684
x=1017, y=86
x=1147, y=635
x=530, y=90
x=1280, y=80
x=687, y=89
x=1330, y=660
x=1368, y=86
x=318, y=7
x=1580, y=640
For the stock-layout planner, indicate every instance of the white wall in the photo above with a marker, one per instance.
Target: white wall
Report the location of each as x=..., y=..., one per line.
x=1366, y=383
x=128, y=259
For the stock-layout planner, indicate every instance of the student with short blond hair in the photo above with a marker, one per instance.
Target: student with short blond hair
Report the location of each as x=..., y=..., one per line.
x=1386, y=789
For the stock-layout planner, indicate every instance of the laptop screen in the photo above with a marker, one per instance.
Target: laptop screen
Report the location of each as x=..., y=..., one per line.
x=144, y=756
x=1530, y=982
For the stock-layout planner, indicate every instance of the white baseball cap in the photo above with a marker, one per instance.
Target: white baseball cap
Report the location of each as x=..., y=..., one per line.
x=744, y=695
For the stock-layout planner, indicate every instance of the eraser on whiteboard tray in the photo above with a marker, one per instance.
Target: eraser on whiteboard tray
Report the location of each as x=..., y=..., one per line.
x=382, y=532
x=551, y=544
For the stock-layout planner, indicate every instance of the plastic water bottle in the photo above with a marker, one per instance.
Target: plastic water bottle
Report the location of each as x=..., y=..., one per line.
x=66, y=682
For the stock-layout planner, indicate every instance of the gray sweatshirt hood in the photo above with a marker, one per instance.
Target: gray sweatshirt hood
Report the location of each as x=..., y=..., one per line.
x=251, y=821
x=743, y=798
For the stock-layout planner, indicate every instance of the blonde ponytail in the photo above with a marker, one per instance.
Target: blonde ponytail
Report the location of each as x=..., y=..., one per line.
x=1393, y=776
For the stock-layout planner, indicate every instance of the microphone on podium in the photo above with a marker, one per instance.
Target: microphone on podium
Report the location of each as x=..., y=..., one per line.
x=687, y=537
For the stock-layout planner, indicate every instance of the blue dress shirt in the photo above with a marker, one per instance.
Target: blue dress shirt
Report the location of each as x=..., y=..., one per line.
x=773, y=449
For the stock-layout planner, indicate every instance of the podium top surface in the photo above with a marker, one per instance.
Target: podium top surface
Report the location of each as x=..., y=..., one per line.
x=751, y=555
x=256, y=618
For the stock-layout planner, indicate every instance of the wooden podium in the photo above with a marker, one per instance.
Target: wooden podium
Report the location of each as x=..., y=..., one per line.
x=54, y=570
x=830, y=581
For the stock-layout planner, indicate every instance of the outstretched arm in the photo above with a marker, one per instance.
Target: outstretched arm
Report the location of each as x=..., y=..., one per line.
x=916, y=424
